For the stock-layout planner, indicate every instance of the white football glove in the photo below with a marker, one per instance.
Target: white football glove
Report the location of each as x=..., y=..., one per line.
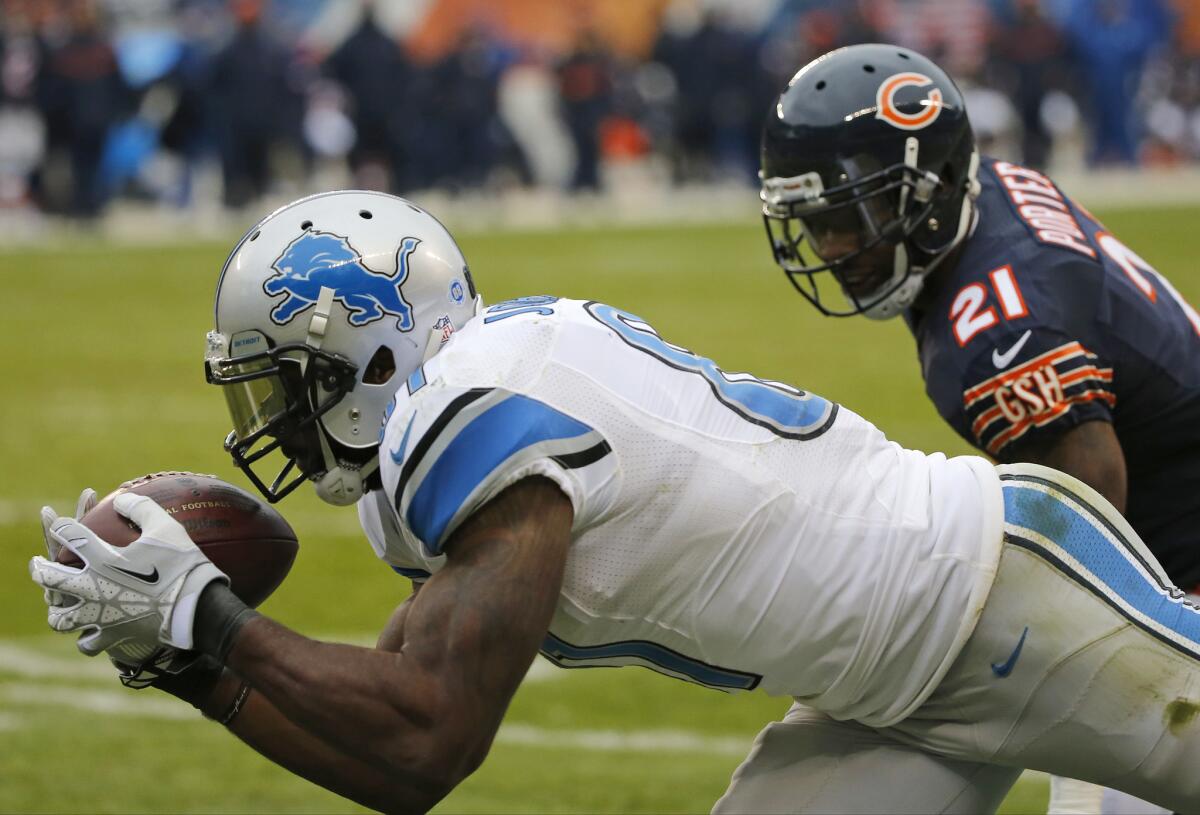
x=127, y=600
x=87, y=500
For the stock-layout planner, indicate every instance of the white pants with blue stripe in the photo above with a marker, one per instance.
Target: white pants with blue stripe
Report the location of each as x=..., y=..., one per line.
x=1084, y=663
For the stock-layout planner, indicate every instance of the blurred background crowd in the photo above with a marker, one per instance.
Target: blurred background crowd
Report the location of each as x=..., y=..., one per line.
x=154, y=99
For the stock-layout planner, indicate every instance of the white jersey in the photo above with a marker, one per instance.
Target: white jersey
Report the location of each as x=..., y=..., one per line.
x=730, y=531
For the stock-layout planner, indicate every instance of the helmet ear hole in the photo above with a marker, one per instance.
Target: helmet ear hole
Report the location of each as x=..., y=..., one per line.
x=381, y=368
x=949, y=180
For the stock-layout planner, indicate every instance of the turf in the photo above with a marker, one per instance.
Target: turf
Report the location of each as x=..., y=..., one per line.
x=102, y=381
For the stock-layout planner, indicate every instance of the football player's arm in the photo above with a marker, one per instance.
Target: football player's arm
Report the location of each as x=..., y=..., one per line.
x=1089, y=451
x=425, y=715
x=263, y=727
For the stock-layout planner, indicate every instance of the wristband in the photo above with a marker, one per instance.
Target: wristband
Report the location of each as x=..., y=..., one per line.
x=235, y=707
x=220, y=616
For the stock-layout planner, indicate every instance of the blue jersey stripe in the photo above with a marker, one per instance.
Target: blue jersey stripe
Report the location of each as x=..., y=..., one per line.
x=416, y=380
x=1083, y=539
x=557, y=650
x=412, y=574
x=490, y=439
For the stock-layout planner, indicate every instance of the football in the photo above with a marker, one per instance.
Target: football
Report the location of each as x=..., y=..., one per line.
x=246, y=538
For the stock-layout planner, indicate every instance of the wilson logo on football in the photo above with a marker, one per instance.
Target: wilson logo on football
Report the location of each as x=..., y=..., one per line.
x=885, y=102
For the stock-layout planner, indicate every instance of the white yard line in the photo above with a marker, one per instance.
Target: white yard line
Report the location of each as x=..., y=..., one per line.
x=108, y=702
x=129, y=703
x=34, y=663
x=12, y=512
x=624, y=741
x=542, y=670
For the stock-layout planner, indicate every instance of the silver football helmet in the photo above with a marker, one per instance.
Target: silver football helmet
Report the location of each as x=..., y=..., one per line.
x=323, y=309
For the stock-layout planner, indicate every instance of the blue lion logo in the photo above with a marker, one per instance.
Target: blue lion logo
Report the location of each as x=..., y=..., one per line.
x=321, y=259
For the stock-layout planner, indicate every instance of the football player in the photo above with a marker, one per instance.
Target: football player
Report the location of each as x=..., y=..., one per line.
x=554, y=476
x=1042, y=337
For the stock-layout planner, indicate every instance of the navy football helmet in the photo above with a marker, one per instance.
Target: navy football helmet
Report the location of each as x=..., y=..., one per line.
x=869, y=173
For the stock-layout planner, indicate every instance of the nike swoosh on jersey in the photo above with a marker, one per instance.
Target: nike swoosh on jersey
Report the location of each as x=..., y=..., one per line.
x=398, y=453
x=1001, y=360
x=1003, y=669
x=145, y=577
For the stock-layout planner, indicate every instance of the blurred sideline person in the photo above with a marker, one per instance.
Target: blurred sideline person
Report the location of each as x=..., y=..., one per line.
x=252, y=68
x=553, y=475
x=1042, y=337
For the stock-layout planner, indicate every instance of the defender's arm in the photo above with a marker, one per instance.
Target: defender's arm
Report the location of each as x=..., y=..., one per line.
x=1089, y=451
x=426, y=715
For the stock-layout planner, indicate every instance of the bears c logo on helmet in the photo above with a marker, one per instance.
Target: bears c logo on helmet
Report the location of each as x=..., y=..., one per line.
x=885, y=102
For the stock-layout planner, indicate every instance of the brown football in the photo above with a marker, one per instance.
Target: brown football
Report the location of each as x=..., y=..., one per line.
x=245, y=537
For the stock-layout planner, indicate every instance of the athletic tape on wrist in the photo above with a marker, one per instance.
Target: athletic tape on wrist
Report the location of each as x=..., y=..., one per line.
x=220, y=616
x=194, y=684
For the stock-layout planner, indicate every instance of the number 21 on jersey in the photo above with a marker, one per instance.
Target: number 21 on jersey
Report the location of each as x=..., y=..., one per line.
x=968, y=314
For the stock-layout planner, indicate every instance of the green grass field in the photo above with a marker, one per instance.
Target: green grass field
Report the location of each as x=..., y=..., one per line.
x=102, y=381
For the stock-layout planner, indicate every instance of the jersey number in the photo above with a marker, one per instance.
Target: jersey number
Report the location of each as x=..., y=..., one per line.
x=784, y=410
x=1140, y=272
x=536, y=304
x=968, y=314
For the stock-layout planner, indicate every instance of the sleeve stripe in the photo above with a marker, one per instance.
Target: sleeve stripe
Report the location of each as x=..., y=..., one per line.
x=479, y=448
x=431, y=435
x=1054, y=357
x=1101, y=377
x=985, y=419
x=650, y=655
x=411, y=574
x=575, y=461
x=1021, y=428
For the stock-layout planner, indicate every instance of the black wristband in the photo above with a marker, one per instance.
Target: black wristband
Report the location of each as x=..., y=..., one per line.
x=193, y=684
x=220, y=615
x=235, y=707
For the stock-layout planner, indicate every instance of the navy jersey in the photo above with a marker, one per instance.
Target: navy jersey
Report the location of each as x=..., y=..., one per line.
x=1047, y=321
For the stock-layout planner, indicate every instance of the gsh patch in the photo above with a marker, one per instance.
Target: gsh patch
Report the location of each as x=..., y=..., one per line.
x=1005, y=407
x=317, y=260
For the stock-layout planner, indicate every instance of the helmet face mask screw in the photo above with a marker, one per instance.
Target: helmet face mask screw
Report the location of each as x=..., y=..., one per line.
x=934, y=225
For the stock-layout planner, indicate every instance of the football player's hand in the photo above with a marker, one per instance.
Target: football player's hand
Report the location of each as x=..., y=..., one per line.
x=127, y=600
x=87, y=500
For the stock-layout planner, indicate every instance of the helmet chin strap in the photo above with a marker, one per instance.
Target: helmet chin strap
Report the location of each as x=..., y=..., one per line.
x=339, y=485
x=906, y=292
x=342, y=486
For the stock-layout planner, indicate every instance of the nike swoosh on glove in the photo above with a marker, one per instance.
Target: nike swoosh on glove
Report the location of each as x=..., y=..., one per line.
x=127, y=600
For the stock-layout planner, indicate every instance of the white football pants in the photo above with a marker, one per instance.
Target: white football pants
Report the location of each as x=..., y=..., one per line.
x=1085, y=663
